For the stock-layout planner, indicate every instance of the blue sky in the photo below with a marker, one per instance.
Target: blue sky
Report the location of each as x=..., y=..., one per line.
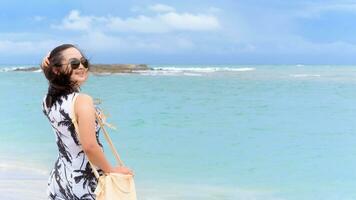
x=182, y=32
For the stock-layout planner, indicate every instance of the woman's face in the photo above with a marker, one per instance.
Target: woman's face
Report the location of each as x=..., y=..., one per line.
x=80, y=74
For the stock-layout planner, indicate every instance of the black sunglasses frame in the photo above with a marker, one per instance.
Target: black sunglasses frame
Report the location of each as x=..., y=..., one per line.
x=74, y=63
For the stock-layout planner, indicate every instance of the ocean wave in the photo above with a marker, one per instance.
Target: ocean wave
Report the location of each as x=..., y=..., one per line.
x=157, y=71
x=205, y=69
x=190, y=71
x=21, y=68
x=29, y=189
x=10, y=69
x=19, y=167
x=305, y=75
x=300, y=65
x=167, y=73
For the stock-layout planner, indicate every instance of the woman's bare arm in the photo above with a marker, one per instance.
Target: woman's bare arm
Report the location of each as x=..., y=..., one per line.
x=85, y=112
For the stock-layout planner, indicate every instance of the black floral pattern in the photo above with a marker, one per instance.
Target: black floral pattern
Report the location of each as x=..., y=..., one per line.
x=86, y=176
x=63, y=150
x=67, y=121
x=72, y=176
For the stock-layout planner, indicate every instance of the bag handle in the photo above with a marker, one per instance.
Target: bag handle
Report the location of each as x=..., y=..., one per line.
x=106, y=135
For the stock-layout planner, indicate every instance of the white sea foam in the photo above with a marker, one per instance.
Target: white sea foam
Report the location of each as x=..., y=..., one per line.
x=162, y=71
x=190, y=71
x=192, y=74
x=19, y=180
x=157, y=73
x=8, y=69
x=11, y=69
x=20, y=168
x=305, y=75
x=204, y=69
x=23, y=189
x=36, y=189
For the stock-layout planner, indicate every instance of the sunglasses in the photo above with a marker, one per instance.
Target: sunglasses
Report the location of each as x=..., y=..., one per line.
x=74, y=63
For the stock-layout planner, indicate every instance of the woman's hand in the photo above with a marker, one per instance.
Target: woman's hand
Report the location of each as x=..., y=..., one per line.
x=45, y=62
x=122, y=170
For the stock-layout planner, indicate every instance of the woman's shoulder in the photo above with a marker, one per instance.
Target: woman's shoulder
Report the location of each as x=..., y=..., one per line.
x=83, y=97
x=84, y=102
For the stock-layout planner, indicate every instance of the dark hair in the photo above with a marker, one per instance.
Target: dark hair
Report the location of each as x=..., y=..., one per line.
x=59, y=83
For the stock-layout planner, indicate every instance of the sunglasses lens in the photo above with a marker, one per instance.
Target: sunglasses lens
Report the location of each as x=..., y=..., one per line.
x=85, y=62
x=74, y=64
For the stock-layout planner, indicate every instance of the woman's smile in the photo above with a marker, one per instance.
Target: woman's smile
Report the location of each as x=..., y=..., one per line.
x=80, y=72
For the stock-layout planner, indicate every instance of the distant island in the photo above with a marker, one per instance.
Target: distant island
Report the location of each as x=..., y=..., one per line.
x=118, y=68
x=104, y=68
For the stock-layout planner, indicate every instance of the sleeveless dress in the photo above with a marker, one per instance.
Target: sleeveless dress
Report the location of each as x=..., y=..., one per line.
x=72, y=177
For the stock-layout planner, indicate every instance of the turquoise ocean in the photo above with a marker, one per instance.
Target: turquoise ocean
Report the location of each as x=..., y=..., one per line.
x=200, y=132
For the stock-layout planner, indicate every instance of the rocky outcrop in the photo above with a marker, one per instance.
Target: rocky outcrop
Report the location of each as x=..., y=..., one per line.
x=118, y=68
x=26, y=69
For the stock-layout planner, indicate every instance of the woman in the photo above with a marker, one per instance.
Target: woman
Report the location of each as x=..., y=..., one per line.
x=66, y=69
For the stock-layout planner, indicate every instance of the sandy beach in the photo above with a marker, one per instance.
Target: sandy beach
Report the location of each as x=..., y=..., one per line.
x=18, y=182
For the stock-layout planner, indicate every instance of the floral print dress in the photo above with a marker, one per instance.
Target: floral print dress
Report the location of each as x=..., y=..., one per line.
x=72, y=177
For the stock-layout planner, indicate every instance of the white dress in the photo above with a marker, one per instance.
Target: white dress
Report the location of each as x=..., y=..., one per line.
x=72, y=177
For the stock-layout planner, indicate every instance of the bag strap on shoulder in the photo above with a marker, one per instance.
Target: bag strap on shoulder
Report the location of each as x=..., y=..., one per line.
x=106, y=135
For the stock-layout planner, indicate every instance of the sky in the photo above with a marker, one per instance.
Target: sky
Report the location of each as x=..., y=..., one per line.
x=182, y=32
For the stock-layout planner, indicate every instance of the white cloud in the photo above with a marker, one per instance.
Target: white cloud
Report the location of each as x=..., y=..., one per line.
x=159, y=23
x=187, y=21
x=74, y=21
x=161, y=8
x=141, y=24
x=162, y=23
